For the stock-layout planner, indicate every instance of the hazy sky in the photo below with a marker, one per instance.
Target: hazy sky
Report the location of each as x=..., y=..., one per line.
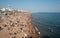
x=33, y=5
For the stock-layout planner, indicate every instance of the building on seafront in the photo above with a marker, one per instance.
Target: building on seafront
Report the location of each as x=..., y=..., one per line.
x=8, y=10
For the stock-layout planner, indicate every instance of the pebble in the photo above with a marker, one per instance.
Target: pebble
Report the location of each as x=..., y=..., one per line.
x=0, y=17
x=14, y=37
x=8, y=28
x=20, y=29
x=10, y=34
x=38, y=32
x=15, y=33
x=5, y=25
x=1, y=28
x=25, y=35
x=12, y=25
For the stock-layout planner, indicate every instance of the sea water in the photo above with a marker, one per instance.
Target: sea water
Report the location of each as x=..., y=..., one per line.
x=47, y=23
